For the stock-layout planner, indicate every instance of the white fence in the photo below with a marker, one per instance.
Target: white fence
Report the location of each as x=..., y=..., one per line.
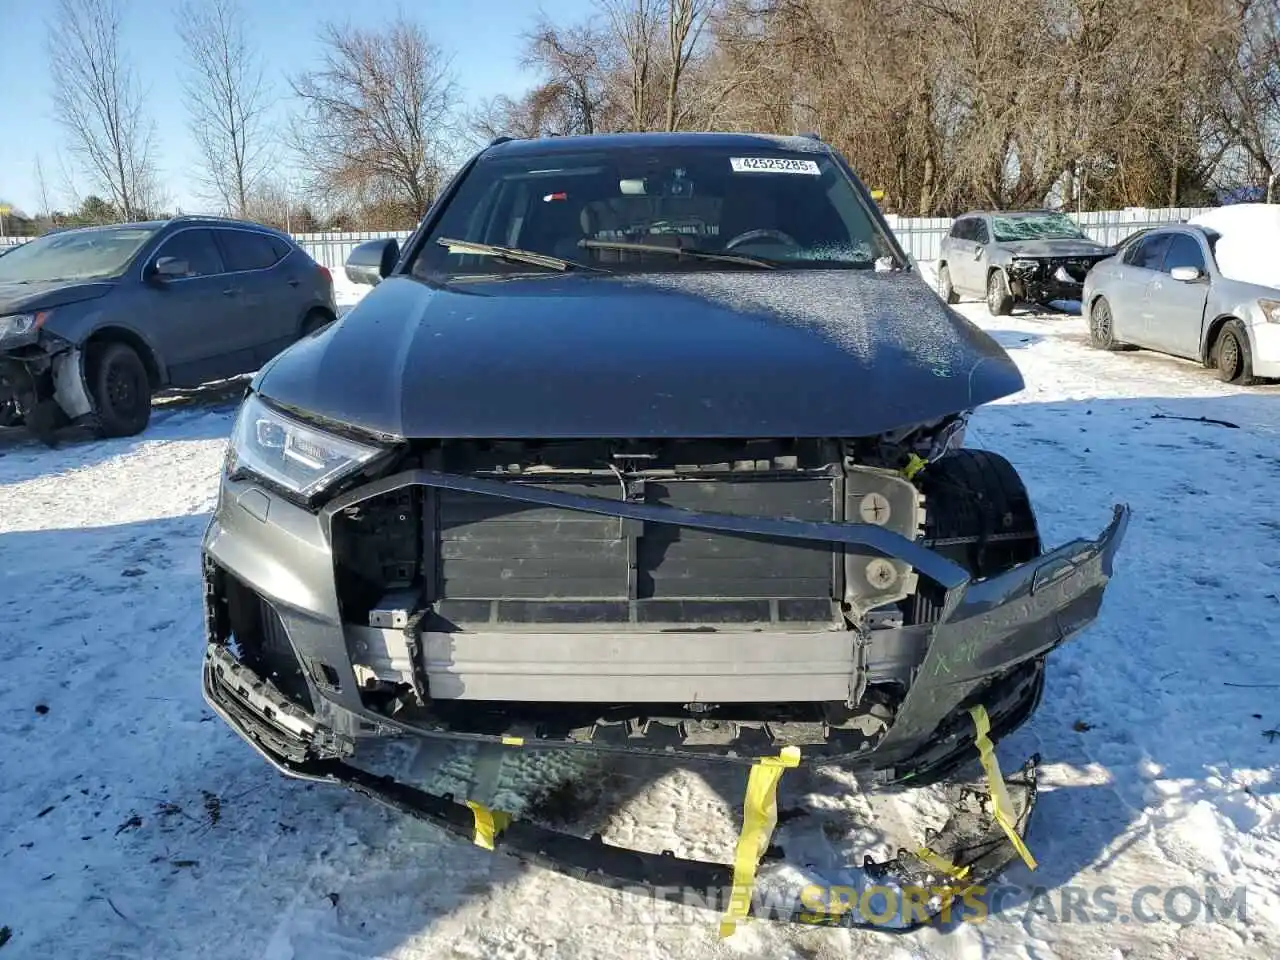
x=332, y=249
x=920, y=235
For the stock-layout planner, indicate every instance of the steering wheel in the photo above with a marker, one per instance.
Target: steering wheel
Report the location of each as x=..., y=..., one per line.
x=778, y=235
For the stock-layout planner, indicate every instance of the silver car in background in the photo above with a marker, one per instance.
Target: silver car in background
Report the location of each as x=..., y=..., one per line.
x=1016, y=256
x=1206, y=290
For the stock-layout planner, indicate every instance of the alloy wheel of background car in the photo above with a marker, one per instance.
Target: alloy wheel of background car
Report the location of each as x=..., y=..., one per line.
x=999, y=300
x=945, y=289
x=121, y=391
x=1101, y=331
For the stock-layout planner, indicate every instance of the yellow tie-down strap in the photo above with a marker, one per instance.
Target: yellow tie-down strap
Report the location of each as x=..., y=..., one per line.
x=759, y=817
x=488, y=824
x=995, y=783
x=941, y=864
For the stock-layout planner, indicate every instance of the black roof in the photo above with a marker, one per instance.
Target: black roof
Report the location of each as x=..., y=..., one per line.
x=623, y=141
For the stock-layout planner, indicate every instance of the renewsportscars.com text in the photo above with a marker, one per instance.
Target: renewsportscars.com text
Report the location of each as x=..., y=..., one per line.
x=894, y=907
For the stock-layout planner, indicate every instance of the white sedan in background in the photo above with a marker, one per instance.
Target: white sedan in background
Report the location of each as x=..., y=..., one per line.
x=1206, y=290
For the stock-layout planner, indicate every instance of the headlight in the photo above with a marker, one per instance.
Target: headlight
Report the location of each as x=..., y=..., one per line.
x=289, y=453
x=1270, y=309
x=1024, y=266
x=21, y=324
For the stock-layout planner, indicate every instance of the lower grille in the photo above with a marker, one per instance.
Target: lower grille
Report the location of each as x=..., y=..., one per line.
x=259, y=638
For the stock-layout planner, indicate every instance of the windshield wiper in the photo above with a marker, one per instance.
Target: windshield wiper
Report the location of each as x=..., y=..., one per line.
x=515, y=255
x=692, y=252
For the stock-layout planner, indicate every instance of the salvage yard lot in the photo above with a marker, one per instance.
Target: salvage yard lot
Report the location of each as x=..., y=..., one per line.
x=132, y=824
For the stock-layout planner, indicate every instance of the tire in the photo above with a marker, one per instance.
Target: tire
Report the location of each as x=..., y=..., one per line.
x=999, y=299
x=1232, y=357
x=945, y=289
x=121, y=390
x=1102, y=333
x=977, y=503
x=314, y=321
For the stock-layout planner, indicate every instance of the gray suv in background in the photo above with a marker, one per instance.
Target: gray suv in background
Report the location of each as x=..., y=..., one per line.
x=93, y=321
x=1010, y=257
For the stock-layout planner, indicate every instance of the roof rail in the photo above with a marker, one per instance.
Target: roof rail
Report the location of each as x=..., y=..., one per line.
x=497, y=140
x=206, y=216
x=810, y=135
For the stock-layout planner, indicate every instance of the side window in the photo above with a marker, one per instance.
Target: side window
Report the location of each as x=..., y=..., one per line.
x=1132, y=250
x=246, y=250
x=197, y=248
x=960, y=229
x=1184, y=251
x=1150, y=254
x=980, y=232
x=281, y=247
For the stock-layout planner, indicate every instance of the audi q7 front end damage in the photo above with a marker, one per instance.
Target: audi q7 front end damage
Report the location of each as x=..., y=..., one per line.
x=715, y=516
x=603, y=596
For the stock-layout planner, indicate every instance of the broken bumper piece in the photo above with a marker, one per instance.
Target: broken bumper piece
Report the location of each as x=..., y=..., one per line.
x=987, y=646
x=914, y=888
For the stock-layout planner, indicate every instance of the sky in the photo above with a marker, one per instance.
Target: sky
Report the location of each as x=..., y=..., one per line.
x=483, y=39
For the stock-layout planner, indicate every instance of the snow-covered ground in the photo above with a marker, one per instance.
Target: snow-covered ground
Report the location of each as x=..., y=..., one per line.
x=133, y=824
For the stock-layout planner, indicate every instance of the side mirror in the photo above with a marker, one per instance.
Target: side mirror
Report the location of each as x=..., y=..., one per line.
x=1186, y=274
x=169, y=267
x=372, y=261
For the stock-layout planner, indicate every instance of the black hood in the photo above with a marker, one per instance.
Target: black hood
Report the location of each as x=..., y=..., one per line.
x=1065, y=247
x=38, y=295
x=829, y=353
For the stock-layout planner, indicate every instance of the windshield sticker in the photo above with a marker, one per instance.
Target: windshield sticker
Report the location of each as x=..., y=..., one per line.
x=774, y=165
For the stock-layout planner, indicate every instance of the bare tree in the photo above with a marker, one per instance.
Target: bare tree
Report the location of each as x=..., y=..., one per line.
x=635, y=25
x=226, y=99
x=98, y=101
x=572, y=59
x=944, y=104
x=42, y=187
x=379, y=116
x=685, y=22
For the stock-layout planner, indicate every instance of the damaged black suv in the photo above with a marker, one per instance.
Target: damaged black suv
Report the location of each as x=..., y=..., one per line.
x=644, y=443
x=94, y=320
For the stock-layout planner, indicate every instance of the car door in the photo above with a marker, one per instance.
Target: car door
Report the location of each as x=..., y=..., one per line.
x=1128, y=294
x=264, y=313
x=181, y=314
x=1175, y=308
x=963, y=248
x=947, y=251
x=980, y=259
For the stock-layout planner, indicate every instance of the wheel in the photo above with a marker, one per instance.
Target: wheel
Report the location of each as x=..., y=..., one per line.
x=999, y=299
x=121, y=390
x=315, y=321
x=945, y=289
x=1101, y=326
x=1232, y=357
x=978, y=509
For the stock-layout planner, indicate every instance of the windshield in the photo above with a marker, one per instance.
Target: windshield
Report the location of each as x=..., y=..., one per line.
x=75, y=255
x=788, y=208
x=1041, y=226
